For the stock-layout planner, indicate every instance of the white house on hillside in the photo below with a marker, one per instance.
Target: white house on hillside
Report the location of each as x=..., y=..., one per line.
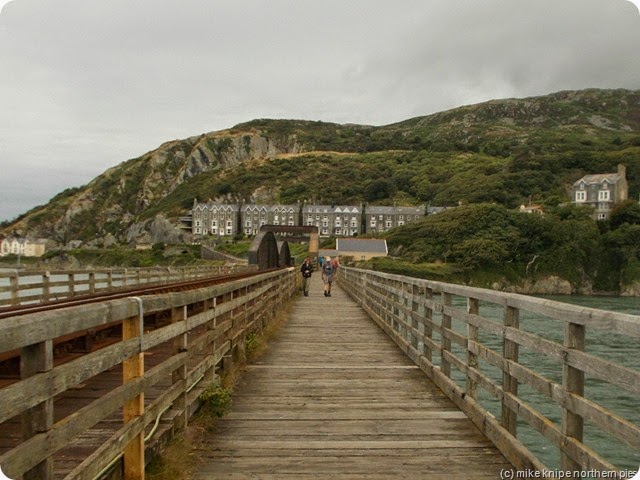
x=601, y=191
x=22, y=246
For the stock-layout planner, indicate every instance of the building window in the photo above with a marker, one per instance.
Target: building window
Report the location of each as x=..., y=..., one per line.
x=602, y=216
x=581, y=196
x=603, y=195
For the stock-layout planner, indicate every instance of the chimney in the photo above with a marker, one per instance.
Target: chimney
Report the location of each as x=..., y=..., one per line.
x=622, y=171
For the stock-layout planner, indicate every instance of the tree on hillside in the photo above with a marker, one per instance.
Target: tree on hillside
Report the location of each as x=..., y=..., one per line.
x=625, y=212
x=379, y=189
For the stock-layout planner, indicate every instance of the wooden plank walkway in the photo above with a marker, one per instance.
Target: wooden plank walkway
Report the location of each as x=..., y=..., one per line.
x=334, y=398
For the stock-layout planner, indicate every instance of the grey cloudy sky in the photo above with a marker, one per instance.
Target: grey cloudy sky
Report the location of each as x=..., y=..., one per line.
x=85, y=85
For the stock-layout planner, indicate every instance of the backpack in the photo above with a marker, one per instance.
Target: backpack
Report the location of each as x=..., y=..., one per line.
x=327, y=268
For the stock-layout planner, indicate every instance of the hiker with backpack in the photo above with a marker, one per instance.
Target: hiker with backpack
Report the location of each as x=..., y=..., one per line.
x=328, y=271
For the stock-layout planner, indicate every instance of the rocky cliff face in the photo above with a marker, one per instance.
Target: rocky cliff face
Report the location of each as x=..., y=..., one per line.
x=113, y=205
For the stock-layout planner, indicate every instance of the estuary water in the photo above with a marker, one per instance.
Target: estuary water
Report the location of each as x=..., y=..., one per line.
x=606, y=345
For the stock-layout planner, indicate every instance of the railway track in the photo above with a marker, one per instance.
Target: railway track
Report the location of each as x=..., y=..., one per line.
x=89, y=340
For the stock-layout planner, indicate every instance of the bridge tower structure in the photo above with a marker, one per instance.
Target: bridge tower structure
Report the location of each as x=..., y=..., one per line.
x=297, y=234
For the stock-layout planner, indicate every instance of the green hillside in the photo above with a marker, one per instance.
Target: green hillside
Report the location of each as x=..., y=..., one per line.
x=508, y=152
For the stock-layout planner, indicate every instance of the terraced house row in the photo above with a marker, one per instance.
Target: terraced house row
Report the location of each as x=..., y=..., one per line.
x=22, y=246
x=219, y=219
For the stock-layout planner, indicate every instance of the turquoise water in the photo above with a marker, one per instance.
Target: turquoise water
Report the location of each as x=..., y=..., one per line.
x=612, y=347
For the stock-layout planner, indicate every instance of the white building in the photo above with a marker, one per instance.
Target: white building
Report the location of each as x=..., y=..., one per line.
x=22, y=246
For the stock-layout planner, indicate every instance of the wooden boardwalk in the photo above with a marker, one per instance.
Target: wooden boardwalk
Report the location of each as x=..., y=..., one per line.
x=334, y=398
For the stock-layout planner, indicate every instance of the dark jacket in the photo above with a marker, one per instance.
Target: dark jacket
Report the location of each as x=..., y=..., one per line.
x=306, y=269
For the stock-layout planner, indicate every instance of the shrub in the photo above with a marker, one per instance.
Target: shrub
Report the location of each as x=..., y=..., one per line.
x=216, y=400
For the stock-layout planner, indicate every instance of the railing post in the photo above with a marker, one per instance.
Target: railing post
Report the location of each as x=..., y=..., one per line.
x=510, y=384
x=417, y=314
x=34, y=359
x=445, y=366
x=227, y=360
x=180, y=344
x=92, y=282
x=238, y=324
x=210, y=374
x=14, y=282
x=428, y=324
x=572, y=382
x=132, y=368
x=46, y=289
x=400, y=317
x=473, y=308
x=72, y=284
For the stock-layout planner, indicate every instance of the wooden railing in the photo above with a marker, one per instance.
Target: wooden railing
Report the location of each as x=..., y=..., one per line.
x=19, y=287
x=206, y=332
x=485, y=350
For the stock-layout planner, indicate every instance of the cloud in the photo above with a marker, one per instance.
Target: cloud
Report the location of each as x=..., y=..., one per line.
x=87, y=85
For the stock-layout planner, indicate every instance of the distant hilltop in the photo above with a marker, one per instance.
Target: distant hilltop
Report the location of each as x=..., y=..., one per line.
x=510, y=152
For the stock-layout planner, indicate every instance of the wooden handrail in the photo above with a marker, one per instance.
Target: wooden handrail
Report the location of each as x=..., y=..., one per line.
x=32, y=286
x=207, y=325
x=461, y=345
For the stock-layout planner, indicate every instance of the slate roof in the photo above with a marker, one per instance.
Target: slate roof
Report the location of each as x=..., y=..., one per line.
x=599, y=178
x=365, y=245
x=388, y=210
